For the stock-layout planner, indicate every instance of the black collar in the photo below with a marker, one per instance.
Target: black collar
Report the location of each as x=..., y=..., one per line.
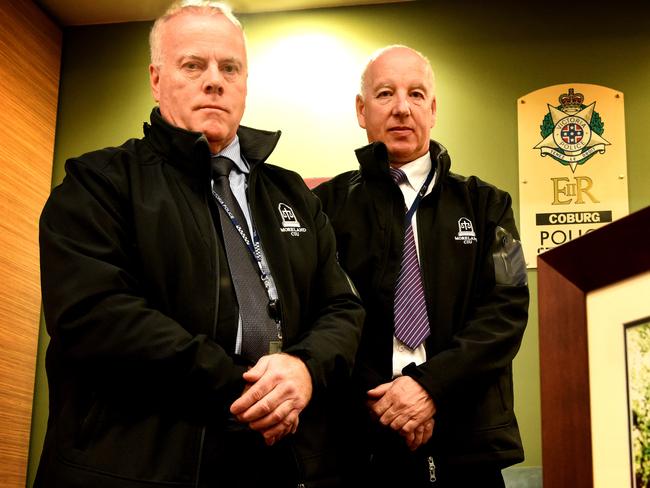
x=373, y=159
x=190, y=152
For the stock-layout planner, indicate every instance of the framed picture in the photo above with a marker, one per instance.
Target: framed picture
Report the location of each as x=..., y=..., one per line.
x=589, y=289
x=637, y=363
x=610, y=312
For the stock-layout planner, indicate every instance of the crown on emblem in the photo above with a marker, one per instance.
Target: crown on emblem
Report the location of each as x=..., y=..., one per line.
x=571, y=102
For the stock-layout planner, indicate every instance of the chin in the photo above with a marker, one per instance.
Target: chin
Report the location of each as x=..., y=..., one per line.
x=219, y=138
x=215, y=131
x=401, y=155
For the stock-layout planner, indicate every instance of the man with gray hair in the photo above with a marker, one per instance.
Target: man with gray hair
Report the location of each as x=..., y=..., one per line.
x=200, y=324
x=437, y=262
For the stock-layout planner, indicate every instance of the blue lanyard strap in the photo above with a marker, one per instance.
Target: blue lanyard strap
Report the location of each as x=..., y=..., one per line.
x=254, y=247
x=418, y=198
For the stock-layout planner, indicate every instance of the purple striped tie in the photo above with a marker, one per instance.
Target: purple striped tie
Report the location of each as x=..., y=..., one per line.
x=410, y=308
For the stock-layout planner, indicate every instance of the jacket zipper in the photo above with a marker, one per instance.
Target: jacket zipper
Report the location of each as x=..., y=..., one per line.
x=300, y=475
x=198, y=465
x=432, y=469
x=214, y=333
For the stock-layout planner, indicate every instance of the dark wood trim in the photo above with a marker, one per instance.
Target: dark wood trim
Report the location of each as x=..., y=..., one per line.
x=607, y=255
x=564, y=379
x=566, y=274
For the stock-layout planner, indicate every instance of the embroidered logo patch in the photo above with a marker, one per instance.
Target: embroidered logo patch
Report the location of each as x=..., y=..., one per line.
x=466, y=231
x=289, y=220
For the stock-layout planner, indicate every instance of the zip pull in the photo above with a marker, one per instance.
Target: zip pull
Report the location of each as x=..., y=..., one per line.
x=432, y=469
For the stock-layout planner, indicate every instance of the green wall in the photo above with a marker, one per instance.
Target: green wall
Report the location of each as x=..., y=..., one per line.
x=304, y=69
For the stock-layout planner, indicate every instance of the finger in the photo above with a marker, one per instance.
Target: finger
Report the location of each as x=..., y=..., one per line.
x=388, y=417
x=282, y=391
x=398, y=422
x=428, y=430
x=379, y=391
x=411, y=424
x=426, y=436
x=408, y=438
x=418, y=436
x=257, y=371
x=381, y=404
x=278, y=415
x=422, y=434
x=266, y=405
x=280, y=430
x=379, y=408
x=251, y=396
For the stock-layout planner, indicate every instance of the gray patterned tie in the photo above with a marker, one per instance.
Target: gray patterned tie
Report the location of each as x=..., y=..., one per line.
x=258, y=328
x=410, y=308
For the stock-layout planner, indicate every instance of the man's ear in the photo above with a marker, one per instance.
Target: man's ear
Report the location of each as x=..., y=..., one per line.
x=434, y=112
x=361, y=112
x=154, y=81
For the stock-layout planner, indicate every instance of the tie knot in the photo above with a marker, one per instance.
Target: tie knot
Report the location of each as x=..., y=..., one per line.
x=398, y=175
x=221, y=166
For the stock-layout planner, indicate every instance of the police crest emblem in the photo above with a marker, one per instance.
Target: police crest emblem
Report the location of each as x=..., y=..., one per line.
x=571, y=131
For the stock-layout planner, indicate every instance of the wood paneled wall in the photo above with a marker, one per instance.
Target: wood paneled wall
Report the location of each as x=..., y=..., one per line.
x=30, y=58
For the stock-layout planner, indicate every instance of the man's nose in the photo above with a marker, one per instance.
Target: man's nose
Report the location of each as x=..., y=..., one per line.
x=213, y=80
x=402, y=106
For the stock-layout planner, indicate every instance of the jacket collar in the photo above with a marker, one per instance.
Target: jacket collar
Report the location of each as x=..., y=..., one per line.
x=373, y=160
x=189, y=151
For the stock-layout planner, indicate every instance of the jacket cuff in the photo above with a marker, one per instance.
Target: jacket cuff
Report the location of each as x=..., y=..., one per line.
x=418, y=375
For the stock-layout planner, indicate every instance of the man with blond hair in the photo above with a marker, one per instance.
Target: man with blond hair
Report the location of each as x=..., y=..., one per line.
x=437, y=261
x=199, y=321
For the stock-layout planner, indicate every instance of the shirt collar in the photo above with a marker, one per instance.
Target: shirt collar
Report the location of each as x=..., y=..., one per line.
x=417, y=170
x=233, y=151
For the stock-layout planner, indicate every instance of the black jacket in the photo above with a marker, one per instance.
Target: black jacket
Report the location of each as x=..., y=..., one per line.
x=137, y=366
x=476, y=292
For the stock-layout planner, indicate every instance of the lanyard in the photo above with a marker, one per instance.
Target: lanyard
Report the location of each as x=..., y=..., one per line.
x=416, y=202
x=254, y=248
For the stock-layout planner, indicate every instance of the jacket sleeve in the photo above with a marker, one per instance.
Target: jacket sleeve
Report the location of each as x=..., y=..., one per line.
x=98, y=315
x=494, y=322
x=329, y=346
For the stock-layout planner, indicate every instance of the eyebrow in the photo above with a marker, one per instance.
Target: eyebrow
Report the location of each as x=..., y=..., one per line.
x=188, y=56
x=384, y=84
x=388, y=84
x=232, y=60
x=197, y=57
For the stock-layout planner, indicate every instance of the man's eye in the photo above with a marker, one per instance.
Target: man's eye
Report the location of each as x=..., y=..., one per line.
x=191, y=66
x=383, y=94
x=230, y=68
x=418, y=95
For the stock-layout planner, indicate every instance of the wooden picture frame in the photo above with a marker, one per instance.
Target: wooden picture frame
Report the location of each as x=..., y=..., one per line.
x=566, y=275
x=637, y=370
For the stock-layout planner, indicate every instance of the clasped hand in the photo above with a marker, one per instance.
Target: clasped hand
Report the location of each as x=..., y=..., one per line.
x=406, y=407
x=278, y=388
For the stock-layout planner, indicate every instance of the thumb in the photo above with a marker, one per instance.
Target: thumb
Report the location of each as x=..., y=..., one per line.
x=256, y=372
x=379, y=391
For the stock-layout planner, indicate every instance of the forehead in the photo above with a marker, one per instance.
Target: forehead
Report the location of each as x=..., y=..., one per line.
x=192, y=32
x=399, y=67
